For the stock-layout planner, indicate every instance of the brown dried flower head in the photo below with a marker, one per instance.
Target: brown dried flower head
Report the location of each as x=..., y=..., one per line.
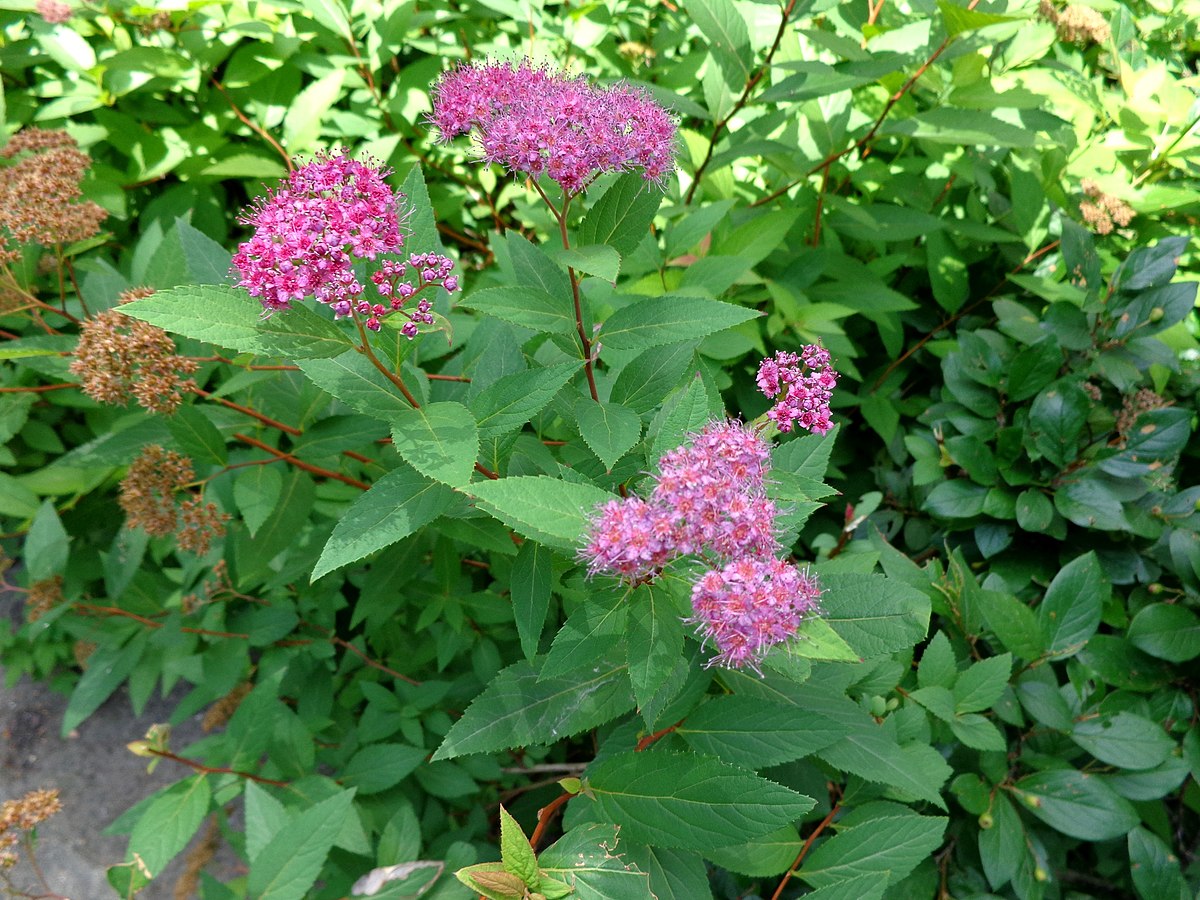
x=1134, y=405
x=1102, y=211
x=119, y=358
x=21, y=815
x=40, y=189
x=43, y=596
x=222, y=710
x=1082, y=25
x=201, y=523
x=148, y=489
x=82, y=652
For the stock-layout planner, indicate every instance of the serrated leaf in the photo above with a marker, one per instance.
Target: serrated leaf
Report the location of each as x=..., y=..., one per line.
x=609, y=430
x=530, y=591
x=395, y=506
x=439, y=440
x=46, y=544
x=169, y=823
x=518, y=709
x=816, y=639
x=689, y=802
x=197, y=436
x=377, y=767
x=622, y=216
x=889, y=842
x=540, y=507
x=874, y=614
x=256, y=492
x=728, y=37
x=982, y=683
x=656, y=321
x=978, y=733
x=654, y=640
x=524, y=305
x=229, y=317
x=600, y=260
x=757, y=734
x=289, y=864
x=513, y=400
x=356, y=382
x=871, y=753
x=591, y=632
x=770, y=854
x=645, y=381
x=515, y=852
x=591, y=861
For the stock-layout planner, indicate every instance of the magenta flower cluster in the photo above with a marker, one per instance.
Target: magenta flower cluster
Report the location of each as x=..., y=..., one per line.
x=327, y=216
x=802, y=385
x=709, y=500
x=541, y=122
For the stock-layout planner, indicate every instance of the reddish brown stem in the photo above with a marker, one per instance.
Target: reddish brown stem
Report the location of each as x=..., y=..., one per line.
x=301, y=464
x=804, y=851
x=215, y=770
x=374, y=664
x=378, y=364
x=433, y=376
x=151, y=623
x=545, y=814
x=245, y=410
x=39, y=388
x=651, y=738
x=257, y=129
x=486, y=472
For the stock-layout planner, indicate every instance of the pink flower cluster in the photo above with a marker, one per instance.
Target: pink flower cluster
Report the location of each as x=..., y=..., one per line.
x=709, y=500
x=330, y=214
x=541, y=122
x=53, y=11
x=803, y=383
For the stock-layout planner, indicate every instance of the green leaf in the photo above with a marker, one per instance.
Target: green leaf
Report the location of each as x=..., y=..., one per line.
x=356, y=382
x=587, y=859
x=978, y=733
x=265, y=816
x=686, y=414
x=229, y=317
x=609, y=430
x=519, y=709
x=107, y=668
x=1079, y=805
x=870, y=752
x=395, y=506
x=938, y=667
x=540, y=507
x=956, y=499
x=947, y=271
x=529, y=586
x=600, y=260
x=674, y=874
x=197, y=436
x=422, y=236
x=207, y=261
x=524, y=305
x=770, y=854
x=515, y=851
x=982, y=683
x=169, y=823
x=290, y=863
x=750, y=732
x=960, y=18
x=1056, y=421
x=878, y=837
x=622, y=215
x=654, y=640
x=728, y=38
x=46, y=544
x=816, y=639
x=377, y=767
x=1166, y=631
x=861, y=887
x=689, y=802
x=1002, y=845
x=655, y=321
x=1070, y=612
x=591, y=632
x=1154, y=266
x=511, y=401
x=302, y=124
x=439, y=440
x=874, y=614
x=1155, y=868
x=278, y=532
x=1035, y=512
x=1123, y=739
x=256, y=492
x=646, y=380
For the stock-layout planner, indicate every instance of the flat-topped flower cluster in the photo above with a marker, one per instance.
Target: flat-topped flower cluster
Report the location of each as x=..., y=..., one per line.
x=327, y=216
x=536, y=121
x=709, y=500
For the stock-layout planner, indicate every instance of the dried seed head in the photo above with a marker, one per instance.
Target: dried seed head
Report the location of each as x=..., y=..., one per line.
x=221, y=711
x=119, y=358
x=1082, y=25
x=43, y=596
x=29, y=811
x=1102, y=211
x=201, y=523
x=148, y=489
x=1134, y=405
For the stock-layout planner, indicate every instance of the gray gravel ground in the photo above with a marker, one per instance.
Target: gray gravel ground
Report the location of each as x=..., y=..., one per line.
x=98, y=779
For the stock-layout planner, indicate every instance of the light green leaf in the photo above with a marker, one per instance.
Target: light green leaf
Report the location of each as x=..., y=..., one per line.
x=874, y=614
x=689, y=802
x=519, y=709
x=439, y=440
x=728, y=37
x=816, y=639
x=645, y=382
x=169, y=823
x=588, y=861
x=302, y=125
x=875, y=838
x=356, y=382
x=395, y=506
x=290, y=863
x=540, y=507
x=609, y=430
x=524, y=305
x=600, y=260
x=513, y=400
x=982, y=684
x=256, y=492
x=667, y=320
x=757, y=734
x=622, y=216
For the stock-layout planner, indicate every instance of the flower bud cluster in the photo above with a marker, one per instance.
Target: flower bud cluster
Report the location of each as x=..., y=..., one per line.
x=709, y=500
x=537, y=121
x=39, y=192
x=330, y=214
x=148, y=499
x=53, y=11
x=802, y=385
x=23, y=814
x=119, y=358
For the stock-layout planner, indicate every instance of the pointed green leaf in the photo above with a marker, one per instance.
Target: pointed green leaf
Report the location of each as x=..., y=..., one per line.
x=197, y=436
x=290, y=863
x=622, y=216
x=540, y=507
x=515, y=852
x=654, y=640
x=609, y=430
x=439, y=440
x=46, y=544
x=1077, y=804
x=256, y=492
x=655, y=321
x=524, y=305
x=511, y=401
x=530, y=589
x=757, y=734
x=1070, y=612
x=169, y=823
x=356, y=382
x=874, y=614
x=875, y=838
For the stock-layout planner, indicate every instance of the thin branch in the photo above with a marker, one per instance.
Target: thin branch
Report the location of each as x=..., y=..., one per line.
x=545, y=814
x=374, y=664
x=804, y=850
x=651, y=738
x=301, y=464
x=39, y=388
x=214, y=770
x=256, y=128
x=266, y=420
x=375, y=361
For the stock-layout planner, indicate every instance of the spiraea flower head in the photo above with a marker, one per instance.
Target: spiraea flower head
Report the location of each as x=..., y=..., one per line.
x=53, y=11
x=119, y=358
x=802, y=385
x=537, y=121
x=328, y=215
x=40, y=191
x=750, y=605
x=23, y=814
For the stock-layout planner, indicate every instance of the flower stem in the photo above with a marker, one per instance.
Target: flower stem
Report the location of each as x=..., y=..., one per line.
x=561, y=216
x=377, y=363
